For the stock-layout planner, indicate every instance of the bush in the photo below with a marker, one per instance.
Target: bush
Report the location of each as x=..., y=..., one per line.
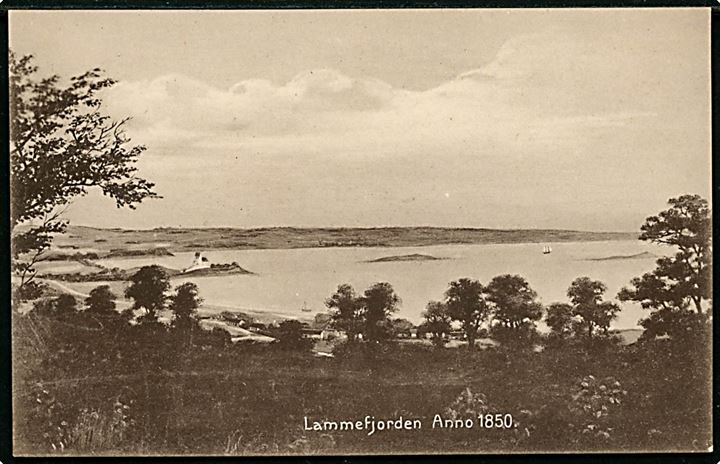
x=289, y=335
x=62, y=306
x=101, y=300
x=523, y=337
x=593, y=402
x=467, y=405
x=30, y=291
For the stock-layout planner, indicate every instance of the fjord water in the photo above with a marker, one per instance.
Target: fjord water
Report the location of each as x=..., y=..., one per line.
x=285, y=279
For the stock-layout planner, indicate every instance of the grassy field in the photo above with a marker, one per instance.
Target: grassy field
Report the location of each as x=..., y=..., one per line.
x=112, y=240
x=113, y=391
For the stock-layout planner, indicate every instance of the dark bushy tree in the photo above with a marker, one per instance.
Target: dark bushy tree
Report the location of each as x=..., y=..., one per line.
x=289, y=336
x=679, y=291
x=66, y=304
x=61, y=145
x=559, y=319
x=514, y=307
x=586, y=296
x=437, y=321
x=61, y=306
x=379, y=302
x=148, y=287
x=101, y=300
x=184, y=304
x=466, y=302
x=345, y=307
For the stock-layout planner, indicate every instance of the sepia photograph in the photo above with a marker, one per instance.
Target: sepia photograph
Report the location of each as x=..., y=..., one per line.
x=360, y=232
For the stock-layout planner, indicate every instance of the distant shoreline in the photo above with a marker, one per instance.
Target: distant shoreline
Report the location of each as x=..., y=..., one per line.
x=182, y=239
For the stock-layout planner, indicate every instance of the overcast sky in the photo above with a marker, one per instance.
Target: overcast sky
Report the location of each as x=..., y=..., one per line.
x=582, y=119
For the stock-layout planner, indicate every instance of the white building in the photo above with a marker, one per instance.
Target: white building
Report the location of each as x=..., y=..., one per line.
x=199, y=262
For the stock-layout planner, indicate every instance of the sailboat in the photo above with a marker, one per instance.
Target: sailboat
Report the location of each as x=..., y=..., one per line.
x=547, y=250
x=305, y=308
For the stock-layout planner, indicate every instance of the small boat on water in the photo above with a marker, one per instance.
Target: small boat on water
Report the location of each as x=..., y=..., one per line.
x=547, y=250
x=305, y=308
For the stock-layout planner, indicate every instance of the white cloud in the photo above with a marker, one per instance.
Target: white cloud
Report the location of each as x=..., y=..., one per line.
x=507, y=102
x=555, y=131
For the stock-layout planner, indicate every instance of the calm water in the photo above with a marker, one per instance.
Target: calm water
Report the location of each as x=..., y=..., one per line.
x=287, y=278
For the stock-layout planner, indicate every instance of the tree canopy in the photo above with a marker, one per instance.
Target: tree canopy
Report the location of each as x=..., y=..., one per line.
x=345, y=307
x=290, y=336
x=61, y=145
x=101, y=300
x=514, y=303
x=559, y=319
x=61, y=306
x=148, y=287
x=184, y=304
x=466, y=302
x=680, y=285
x=379, y=302
x=437, y=321
x=586, y=296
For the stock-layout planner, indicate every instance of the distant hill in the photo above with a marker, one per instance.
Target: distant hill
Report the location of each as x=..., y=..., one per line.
x=176, y=239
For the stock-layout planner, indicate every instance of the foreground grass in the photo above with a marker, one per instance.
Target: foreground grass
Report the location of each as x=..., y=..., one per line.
x=109, y=391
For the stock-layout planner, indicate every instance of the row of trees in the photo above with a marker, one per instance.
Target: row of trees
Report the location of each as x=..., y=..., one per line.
x=507, y=304
x=150, y=291
x=678, y=292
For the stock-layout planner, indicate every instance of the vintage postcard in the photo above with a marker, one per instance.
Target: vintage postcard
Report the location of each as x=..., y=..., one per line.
x=360, y=232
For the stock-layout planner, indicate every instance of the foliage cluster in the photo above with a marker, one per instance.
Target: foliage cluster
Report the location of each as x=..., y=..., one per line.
x=367, y=316
x=61, y=145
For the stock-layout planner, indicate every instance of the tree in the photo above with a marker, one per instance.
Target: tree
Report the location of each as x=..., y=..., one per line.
x=559, y=319
x=437, y=321
x=514, y=305
x=679, y=290
x=586, y=296
x=61, y=145
x=60, y=306
x=101, y=300
x=466, y=303
x=148, y=288
x=184, y=304
x=66, y=304
x=290, y=337
x=345, y=308
x=322, y=321
x=378, y=303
